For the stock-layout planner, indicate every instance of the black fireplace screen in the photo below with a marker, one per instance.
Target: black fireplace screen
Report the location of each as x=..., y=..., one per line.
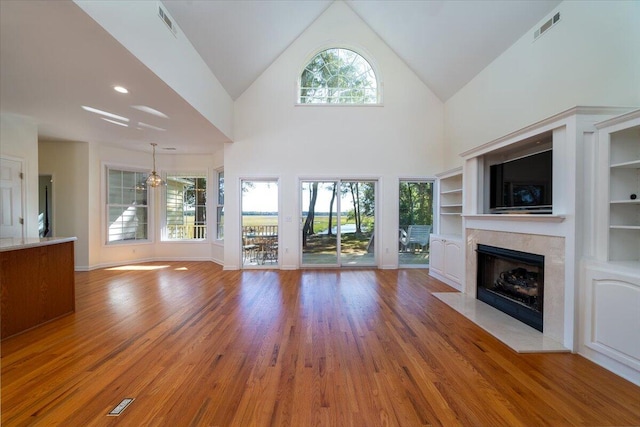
x=513, y=282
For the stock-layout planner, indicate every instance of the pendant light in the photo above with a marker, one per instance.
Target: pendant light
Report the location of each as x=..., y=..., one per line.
x=154, y=180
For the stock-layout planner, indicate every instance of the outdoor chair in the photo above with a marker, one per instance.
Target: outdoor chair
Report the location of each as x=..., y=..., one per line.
x=249, y=250
x=416, y=235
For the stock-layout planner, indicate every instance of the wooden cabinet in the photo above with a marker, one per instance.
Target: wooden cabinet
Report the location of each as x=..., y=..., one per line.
x=38, y=284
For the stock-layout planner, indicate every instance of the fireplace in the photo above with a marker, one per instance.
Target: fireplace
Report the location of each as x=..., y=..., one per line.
x=513, y=282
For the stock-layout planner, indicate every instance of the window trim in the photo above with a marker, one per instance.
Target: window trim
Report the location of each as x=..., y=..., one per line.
x=356, y=49
x=104, y=189
x=163, y=206
x=218, y=205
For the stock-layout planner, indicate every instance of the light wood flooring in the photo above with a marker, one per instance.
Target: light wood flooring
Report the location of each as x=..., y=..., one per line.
x=199, y=346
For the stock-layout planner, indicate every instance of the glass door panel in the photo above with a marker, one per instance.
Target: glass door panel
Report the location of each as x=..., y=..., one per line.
x=338, y=223
x=416, y=222
x=259, y=223
x=357, y=212
x=319, y=223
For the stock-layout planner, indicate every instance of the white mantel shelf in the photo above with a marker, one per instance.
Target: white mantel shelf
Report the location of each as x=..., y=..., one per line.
x=517, y=217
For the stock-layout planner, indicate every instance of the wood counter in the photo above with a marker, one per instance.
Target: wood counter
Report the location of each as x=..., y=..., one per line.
x=37, y=281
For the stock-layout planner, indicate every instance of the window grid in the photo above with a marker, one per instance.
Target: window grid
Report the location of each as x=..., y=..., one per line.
x=220, y=207
x=185, y=206
x=127, y=206
x=338, y=76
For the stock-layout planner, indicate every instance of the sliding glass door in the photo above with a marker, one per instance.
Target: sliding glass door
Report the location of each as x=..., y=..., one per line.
x=338, y=223
x=416, y=222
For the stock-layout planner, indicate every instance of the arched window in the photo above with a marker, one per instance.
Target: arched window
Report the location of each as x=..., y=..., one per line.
x=338, y=76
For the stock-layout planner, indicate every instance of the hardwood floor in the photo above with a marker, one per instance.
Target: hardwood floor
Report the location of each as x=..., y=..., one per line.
x=198, y=346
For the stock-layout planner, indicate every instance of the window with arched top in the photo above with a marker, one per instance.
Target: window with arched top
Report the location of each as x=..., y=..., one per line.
x=338, y=76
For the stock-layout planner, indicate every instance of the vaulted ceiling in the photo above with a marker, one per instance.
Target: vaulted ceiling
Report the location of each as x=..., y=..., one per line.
x=54, y=58
x=445, y=42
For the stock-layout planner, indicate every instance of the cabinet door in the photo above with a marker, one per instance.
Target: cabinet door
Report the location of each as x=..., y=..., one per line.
x=453, y=260
x=436, y=255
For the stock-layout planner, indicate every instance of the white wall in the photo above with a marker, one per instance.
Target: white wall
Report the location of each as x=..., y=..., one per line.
x=97, y=254
x=68, y=164
x=19, y=140
x=136, y=25
x=101, y=254
x=275, y=138
x=589, y=58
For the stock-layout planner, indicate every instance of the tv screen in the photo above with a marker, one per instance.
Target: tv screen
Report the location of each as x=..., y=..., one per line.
x=523, y=184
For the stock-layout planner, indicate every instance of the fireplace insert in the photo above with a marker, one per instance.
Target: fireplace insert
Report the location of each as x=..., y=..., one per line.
x=513, y=282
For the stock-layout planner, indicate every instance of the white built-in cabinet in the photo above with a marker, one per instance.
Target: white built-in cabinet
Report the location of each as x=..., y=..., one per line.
x=446, y=260
x=619, y=141
x=611, y=299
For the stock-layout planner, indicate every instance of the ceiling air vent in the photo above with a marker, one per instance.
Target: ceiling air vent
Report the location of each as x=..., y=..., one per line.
x=164, y=16
x=546, y=26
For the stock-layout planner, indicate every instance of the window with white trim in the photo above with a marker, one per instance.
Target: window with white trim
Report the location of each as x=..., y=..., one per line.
x=220, y=207
x=338, y=76
x=127, y=206
x=186, y=206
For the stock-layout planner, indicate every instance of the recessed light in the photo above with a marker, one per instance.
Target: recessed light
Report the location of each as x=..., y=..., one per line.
x=104, y=113
x=169, y=148
x=150, y=110
x=114, y=122
x=121, y=89
x=146, y=126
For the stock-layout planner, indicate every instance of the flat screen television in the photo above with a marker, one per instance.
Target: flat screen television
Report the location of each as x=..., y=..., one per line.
x=522, y=185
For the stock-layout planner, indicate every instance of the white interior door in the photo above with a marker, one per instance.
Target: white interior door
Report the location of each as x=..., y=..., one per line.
x=11, y=222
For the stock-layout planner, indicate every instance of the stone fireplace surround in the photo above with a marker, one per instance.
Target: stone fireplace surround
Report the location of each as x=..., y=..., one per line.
x=551, y=247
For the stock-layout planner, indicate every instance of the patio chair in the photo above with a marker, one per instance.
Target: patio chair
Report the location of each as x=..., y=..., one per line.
x=249, y=250
x=418, y=235
x=403, y=238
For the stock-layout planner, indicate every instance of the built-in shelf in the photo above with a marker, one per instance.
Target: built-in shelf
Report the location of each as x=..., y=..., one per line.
x=518, y=217
x=619, y=140
x=625, y=227
x=626, y=202
x=450, y=201
x=635, y=164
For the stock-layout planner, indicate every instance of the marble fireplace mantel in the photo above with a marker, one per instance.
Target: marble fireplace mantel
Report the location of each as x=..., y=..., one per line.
x=551, y=247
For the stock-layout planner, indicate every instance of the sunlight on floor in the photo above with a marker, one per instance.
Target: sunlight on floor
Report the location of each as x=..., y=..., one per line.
x=139, y=267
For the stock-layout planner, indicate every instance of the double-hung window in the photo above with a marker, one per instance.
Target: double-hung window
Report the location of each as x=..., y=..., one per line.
x=220, y=207
x=127, y=206
x=186, y=206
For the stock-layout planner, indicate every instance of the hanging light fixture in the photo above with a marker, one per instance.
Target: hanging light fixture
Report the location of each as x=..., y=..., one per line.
x=154, y=180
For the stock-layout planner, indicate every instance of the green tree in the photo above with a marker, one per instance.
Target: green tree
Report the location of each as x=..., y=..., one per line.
x=338, y=76
x=416, y=203
x=307, y=229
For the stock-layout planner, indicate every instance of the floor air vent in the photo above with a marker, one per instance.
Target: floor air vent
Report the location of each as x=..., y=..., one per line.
x=121, y=407
x=546, y=26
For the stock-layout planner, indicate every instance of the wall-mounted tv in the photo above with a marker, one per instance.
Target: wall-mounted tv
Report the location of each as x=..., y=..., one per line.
x=522, y=185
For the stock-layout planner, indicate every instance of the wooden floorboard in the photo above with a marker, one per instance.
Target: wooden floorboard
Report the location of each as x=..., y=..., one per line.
x=199, y=346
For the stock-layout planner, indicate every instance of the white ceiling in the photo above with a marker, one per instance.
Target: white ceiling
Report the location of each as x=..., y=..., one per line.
x=54, y=58
x=446, y=43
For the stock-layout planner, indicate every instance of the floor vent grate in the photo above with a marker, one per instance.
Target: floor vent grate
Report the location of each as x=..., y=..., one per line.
x=121, y=407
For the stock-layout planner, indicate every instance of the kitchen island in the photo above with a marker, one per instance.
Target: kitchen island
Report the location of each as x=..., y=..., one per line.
x=37, y=281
